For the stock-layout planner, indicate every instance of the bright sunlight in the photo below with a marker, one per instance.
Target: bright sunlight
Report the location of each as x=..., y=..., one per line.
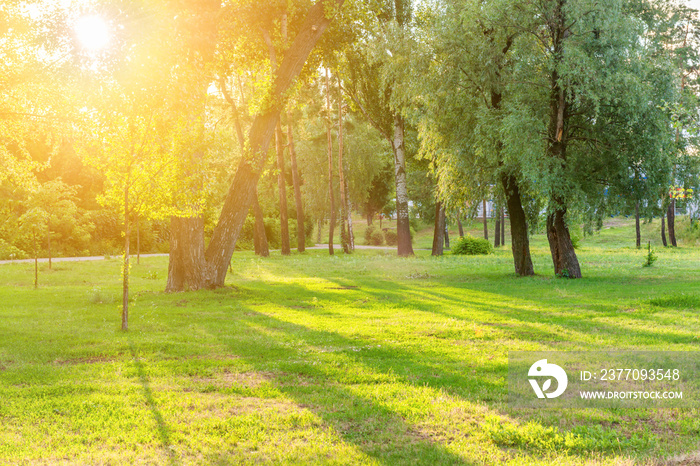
x=92, y=32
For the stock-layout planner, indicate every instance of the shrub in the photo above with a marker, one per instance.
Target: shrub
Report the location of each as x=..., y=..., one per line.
x=472, y=246
x=377, y=238
x=368, y=234
x=392, y=238
x=650, y=258
x=8, y=251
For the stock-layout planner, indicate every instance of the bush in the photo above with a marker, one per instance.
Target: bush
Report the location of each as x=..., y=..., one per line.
x=368, y=234
x=472, y=246
x=377, y=239
x=9, y=252
x=650, y=258
x=392, y=238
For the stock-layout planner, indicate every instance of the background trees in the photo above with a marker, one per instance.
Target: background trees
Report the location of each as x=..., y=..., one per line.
x=568, y=111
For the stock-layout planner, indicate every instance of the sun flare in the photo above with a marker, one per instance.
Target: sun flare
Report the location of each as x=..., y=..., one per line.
x=92, y=32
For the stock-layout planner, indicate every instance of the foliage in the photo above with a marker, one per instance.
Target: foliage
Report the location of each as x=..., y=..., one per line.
x=391, y=237
x=369, y=231
x=688, y=231
x=471, y=246
x=650, y=258
x=9, y=252
x=377, y=238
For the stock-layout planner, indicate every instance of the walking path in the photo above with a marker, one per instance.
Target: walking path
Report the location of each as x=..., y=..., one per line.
x=100, y=258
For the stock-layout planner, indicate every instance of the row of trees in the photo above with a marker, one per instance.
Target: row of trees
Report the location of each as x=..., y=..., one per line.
x=569, y=108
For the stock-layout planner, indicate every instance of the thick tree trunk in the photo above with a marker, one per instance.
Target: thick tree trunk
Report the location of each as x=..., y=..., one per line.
x=242, y=190
x=460, y=227
x=497, y=230
x=260, y=237
x=282, y=187
x=369, y=219
x=671, y=214
x=486, y=223
x=663, y=230
x=187, y=269
x=344, y=224
x=562, y=249
x=439, y=231
x=301, y=231
x=260, y=240
x=403, y=226
x=520, y=242
x=636, y=225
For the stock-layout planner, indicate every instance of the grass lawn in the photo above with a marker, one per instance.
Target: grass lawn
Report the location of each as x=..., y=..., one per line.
x=361, y=359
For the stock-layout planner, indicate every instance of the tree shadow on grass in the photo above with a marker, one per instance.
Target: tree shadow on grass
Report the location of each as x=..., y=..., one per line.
x=524, y=321
x=323, y=382
x=163, y=429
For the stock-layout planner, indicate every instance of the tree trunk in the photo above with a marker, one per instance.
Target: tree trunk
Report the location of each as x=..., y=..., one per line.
x=318, y=231
x=260, y=240
x=138, y=241
x=351, y=233
x=503, y=226
x=439, y=231
x=301, y=231
x=369, y=219
x=460, y=227
x=242, y=190
x=663, y=230
x=259, y=236
x=447, y=232
x=344, y=225
x=125, y=271
x=36, y=261
x=497, y=230
x=672, y=222
x=520, y=242
x=636, y=224
x=187, y=267
x=403, y=226
x=48, y=237
x=329, y=138
x=282, y=187
x=486, y=223
x=562, y=249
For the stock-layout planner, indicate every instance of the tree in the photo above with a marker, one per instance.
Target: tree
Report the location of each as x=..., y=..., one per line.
x=463, y=93
x=594, y=84
x=371, y=87
x=56, y=200
x=198, y=268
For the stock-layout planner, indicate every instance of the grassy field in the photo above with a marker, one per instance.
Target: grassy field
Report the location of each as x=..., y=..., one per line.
x=361, y=359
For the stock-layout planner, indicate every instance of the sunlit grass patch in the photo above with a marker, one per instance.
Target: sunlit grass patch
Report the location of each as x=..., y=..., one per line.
x=362, y=359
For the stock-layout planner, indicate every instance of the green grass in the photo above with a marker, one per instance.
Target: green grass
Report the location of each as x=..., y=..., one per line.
x=361, y=359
